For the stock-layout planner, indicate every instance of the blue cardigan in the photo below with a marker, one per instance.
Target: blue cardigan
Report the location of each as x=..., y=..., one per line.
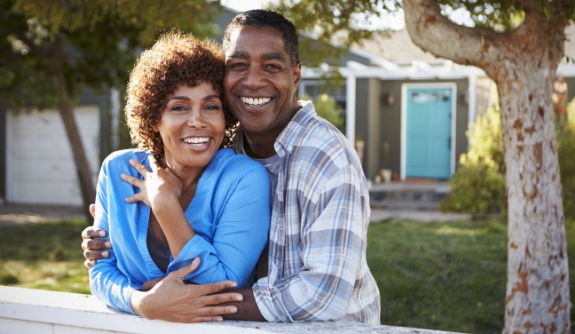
x=230, y=215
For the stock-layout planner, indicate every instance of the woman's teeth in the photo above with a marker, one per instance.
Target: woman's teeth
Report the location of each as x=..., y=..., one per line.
x=196, y=140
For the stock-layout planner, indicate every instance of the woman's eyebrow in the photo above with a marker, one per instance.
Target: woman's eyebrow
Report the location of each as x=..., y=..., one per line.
x=209, y=97
x=179, y=98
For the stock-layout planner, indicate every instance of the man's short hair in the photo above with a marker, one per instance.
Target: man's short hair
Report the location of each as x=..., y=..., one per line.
x=261, y=18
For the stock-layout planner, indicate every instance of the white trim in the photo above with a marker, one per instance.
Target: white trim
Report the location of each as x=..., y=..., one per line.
x=40, y=311
x=115, y=115
x=350, y=109
x=404, y=88
x=471, y=102
x=453, y=72
x=9, y=127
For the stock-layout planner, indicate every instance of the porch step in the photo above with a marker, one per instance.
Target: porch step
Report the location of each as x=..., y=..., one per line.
x=408, y=196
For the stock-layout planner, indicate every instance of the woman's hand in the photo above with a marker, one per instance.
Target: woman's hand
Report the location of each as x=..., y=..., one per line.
x=159, y=185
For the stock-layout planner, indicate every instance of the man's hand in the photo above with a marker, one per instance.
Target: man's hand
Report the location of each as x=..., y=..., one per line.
x=94, y=249
x=173, y=300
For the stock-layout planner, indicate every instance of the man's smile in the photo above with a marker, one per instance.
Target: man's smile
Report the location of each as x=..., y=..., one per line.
x=255, y=102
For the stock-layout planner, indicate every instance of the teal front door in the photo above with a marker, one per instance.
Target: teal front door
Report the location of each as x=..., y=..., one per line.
x=428, y=133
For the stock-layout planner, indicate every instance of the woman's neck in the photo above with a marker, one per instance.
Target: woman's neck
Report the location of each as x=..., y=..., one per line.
x=189, y=176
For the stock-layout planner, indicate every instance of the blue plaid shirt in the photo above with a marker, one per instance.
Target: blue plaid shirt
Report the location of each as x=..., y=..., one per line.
x=318, y=236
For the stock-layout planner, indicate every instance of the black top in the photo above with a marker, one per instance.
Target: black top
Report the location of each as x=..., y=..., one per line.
x=159, y=251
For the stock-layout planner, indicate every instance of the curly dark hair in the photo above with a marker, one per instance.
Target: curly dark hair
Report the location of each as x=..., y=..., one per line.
x=268, y=18
x=174, y=59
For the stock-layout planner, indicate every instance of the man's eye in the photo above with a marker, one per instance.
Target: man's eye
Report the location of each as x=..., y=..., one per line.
x=238, y=66
x=273, y=67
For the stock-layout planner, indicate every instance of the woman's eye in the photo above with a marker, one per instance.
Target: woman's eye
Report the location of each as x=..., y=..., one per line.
x=178, y=108
x=213, y=107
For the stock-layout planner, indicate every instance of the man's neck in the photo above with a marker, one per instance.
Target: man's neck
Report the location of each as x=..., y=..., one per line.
x=259, y=146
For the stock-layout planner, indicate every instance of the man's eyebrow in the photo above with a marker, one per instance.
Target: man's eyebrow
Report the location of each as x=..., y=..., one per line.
x=273, y=56
x=265, y=56
x=240, y=55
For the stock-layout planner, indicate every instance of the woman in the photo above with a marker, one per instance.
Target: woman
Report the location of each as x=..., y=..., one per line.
x=197, y=198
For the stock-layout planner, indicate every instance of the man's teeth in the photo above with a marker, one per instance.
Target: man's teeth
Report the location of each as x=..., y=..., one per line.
x=256, y=101
x=196, y=140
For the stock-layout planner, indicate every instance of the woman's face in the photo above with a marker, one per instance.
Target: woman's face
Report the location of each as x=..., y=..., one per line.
x=192, y=126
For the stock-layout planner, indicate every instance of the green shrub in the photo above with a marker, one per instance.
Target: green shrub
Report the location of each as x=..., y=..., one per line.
x=565, y=127
x=326, y=107
x=478, y=186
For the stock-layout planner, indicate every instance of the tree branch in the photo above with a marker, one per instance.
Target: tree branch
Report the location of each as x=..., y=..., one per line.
x=435, y=33
x=31, y=45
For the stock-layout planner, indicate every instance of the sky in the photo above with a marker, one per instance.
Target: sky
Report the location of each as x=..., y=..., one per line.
x=394, y=22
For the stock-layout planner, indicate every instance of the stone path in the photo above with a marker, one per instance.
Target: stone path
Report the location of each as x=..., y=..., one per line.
x=18, y=214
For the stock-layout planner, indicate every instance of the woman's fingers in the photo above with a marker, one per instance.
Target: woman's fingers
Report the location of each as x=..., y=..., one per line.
x=131, y=180
x=142, y=169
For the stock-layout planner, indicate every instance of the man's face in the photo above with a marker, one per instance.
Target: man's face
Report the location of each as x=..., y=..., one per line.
x=260, y=82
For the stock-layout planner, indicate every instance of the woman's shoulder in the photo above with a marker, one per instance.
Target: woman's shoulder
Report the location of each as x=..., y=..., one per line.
x=227, y=161
x=123, y=157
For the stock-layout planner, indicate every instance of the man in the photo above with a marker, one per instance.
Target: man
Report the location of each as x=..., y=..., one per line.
x=318, y=235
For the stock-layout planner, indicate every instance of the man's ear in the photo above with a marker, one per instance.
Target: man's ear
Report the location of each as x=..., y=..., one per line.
x=297, y=73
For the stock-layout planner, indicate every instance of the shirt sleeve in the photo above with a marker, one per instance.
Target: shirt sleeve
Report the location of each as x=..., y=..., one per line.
x=241, y=234
x=107, y=282
x=331, y=248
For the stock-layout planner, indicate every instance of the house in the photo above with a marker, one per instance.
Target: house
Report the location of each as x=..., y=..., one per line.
x=410, y=109
x=36, y=163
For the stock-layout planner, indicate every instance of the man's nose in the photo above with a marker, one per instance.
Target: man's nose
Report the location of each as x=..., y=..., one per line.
x=255, y=78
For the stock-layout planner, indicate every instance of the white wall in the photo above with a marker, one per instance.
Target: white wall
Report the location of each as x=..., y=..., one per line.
x=50, y=312
x=40, y=167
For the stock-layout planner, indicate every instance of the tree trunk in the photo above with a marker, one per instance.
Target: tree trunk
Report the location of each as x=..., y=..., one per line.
x=537, y=298
x=523, y=64
x=67, y=114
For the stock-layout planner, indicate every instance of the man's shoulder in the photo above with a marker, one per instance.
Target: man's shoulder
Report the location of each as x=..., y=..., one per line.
x=318, y=137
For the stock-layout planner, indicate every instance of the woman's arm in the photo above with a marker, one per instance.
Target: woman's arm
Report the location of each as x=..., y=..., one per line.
x=241, y=231
x=161, y=190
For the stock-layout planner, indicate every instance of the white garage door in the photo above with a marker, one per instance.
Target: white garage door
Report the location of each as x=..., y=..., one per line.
x=40, y=166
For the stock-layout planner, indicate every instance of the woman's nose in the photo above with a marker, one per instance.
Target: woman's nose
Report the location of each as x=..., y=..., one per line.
x=196, y=119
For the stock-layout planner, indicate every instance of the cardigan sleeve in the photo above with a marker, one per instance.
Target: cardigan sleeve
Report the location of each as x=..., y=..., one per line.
x=107, y=282
x=241, y=234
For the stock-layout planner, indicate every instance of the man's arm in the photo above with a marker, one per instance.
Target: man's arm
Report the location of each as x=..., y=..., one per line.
x=331, y=250
x=94, y=249
x=247, y=309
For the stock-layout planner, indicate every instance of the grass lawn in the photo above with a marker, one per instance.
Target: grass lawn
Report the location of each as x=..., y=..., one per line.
x=44, y=256
x=448, y=276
